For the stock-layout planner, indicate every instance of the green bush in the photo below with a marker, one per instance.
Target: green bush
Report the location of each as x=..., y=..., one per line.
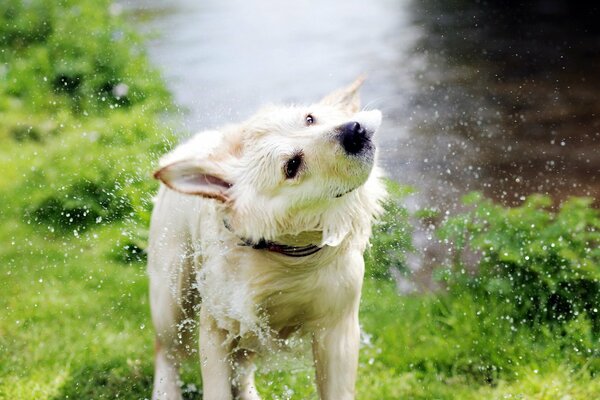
x=83, y=204
x=74, y=54
x=392, y=235
x=543, y=264
x=81, y=109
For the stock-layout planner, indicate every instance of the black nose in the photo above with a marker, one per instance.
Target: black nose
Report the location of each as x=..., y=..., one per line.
x=353, y=137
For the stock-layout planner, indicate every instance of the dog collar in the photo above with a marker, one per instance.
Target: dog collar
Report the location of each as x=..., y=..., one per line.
x=280, y=248
x=286, y=250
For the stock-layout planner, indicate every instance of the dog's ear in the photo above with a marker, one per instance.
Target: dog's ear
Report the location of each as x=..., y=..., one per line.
x=199, y=167
x=333, y=238
x=194, y=177
x=347, y=98
x=336, y=227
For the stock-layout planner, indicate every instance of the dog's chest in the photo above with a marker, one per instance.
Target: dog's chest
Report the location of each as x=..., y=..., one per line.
x=255, y=292
x=303, y=295
x=249, y=291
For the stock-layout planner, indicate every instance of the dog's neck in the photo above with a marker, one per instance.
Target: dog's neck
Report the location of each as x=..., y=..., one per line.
x=290, y=250
x=284, y=249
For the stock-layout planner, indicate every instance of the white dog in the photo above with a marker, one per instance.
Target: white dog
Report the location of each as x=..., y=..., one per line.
x=260, y=228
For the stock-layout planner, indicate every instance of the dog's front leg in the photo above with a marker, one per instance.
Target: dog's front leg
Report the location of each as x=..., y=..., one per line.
x=215, y=362
x=335, y=351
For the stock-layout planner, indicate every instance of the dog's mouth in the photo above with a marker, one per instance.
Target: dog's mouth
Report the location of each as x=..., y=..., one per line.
x=356, y=140
x=342, y=194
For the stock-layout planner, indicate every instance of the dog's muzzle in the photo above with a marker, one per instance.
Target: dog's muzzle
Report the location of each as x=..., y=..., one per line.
x=354, y=138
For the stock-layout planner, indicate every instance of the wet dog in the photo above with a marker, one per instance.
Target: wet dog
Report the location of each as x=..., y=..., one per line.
x=259, y=231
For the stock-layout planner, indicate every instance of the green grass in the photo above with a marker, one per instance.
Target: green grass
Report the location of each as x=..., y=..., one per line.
x=75, y=324
x=75, y=194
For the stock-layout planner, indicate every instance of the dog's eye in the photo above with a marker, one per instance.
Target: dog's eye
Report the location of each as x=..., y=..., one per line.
x=309, y=120
x=292, y=166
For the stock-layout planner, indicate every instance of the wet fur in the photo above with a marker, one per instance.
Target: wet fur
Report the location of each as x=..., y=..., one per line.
x=225, y=185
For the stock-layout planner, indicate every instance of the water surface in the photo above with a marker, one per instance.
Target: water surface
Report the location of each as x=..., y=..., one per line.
x=488, y=97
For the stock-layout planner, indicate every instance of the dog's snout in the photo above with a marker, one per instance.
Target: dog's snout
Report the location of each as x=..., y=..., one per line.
x=353, y=137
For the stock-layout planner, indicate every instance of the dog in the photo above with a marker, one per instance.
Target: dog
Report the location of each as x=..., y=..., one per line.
x=258, y=231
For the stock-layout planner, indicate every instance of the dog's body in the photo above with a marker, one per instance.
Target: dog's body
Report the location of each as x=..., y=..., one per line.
x=267, y=223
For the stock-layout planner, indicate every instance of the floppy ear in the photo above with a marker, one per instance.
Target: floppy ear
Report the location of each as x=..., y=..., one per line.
x=347, y=98
x=336, y=226
x=333, y=238
x=192, y=177
x=199, y=166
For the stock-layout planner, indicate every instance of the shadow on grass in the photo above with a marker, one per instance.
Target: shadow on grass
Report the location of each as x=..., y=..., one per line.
x=109, y=380
x=117, y=379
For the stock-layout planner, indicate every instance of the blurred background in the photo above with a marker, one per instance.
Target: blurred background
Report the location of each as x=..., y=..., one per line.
x=495, y=96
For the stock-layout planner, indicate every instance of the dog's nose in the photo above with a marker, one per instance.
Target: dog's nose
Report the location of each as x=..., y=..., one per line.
x=353, y=137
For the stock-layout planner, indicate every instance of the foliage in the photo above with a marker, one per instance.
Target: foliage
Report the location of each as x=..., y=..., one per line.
x=84, y=204
x=544, y=264
x=451, y=341
x=81, y=109
x=73, y=54
x=392, y=235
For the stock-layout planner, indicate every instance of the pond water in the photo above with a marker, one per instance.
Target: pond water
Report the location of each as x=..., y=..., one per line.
x=492, y=97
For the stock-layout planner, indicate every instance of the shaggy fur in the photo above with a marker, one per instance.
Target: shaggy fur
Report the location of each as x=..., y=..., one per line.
x=225, y=190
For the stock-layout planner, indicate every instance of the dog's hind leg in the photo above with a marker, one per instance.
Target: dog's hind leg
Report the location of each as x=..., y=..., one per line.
x=244, y=386
x=173, y=299
x=215, y=360
x=166, y=374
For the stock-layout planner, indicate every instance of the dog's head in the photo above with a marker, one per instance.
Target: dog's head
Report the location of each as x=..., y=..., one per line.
x=284, y=171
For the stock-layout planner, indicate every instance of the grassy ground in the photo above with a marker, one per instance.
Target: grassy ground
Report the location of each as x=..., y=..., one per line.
x=75, y=324
x=77, y=150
